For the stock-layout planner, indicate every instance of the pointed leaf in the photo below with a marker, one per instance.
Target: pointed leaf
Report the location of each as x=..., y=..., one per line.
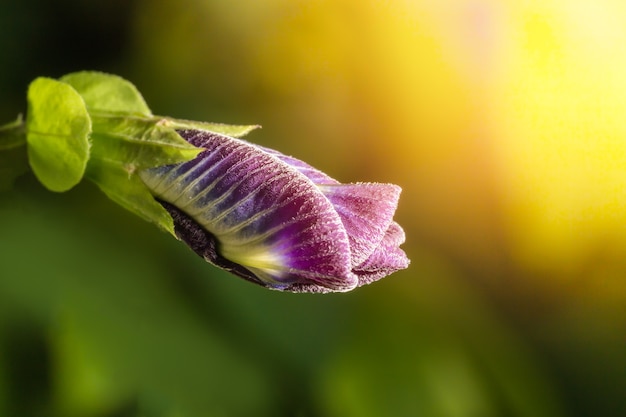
x=107, y=93
x=58, y=128
x=234, y=131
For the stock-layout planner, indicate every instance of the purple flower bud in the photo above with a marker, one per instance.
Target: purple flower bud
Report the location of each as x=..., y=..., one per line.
x=276, y=221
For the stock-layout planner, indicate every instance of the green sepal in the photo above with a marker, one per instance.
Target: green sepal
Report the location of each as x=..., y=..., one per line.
x=127, y=138
x=57, y=132
x=123, y=145
x=234, y=131
x=107, y=93
x=127, y=190
x=140, y=143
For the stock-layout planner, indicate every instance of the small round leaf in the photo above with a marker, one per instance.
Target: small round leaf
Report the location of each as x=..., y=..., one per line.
x=57, y=133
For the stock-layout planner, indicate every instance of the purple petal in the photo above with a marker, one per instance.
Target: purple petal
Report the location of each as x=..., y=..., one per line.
x=315, y=175
x=366, y=210
x=262, y=214
x=386, y=259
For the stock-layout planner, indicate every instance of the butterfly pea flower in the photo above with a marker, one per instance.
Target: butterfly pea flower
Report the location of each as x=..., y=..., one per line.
x=275, y=220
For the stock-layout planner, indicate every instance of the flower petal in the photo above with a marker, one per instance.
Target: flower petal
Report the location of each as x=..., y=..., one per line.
x=314, y=174
x=366, y=210
x=386, y=259
x=260, y=213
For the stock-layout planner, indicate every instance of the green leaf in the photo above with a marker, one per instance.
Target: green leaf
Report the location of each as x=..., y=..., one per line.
x=107, y=93
x=138, y=142
x=235, y=131
x=128, y=191
x=57, y=132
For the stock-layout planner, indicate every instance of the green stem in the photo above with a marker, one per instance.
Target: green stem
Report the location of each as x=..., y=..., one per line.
x=13, y=134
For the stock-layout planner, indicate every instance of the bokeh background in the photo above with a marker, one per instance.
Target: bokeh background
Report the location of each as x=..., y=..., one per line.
x=503, y=121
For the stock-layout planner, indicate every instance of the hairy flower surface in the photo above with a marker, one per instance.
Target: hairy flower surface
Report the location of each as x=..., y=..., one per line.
x=276, y=221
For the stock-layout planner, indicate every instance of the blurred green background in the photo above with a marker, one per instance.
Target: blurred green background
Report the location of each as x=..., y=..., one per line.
x=501, y=120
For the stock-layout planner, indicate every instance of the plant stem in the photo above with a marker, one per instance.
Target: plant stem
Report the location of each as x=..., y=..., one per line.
x=13, y=134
